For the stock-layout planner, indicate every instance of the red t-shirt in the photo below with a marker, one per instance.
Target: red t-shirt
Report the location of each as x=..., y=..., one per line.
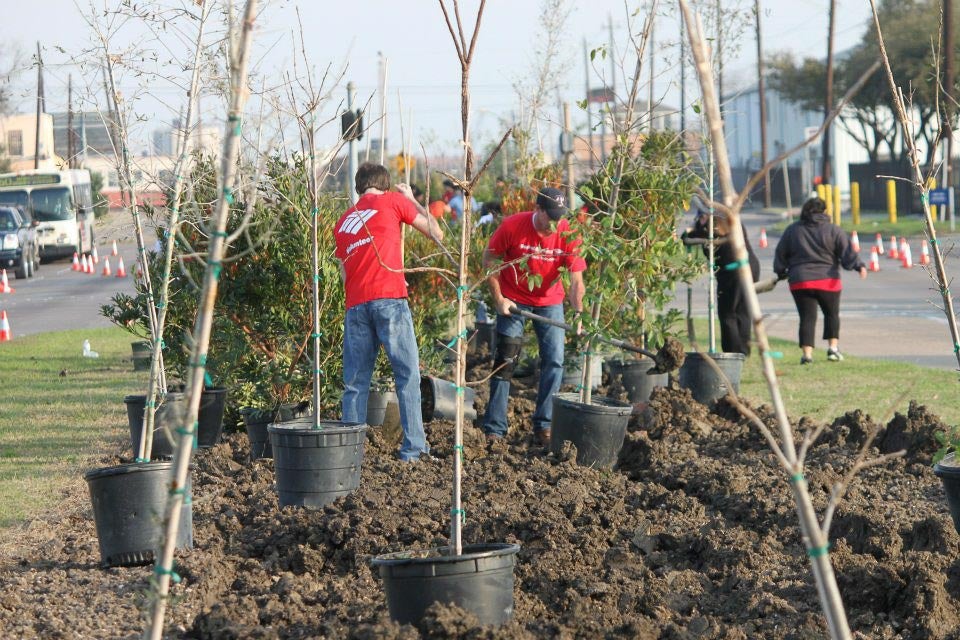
x=515, y=238
x=368, y=244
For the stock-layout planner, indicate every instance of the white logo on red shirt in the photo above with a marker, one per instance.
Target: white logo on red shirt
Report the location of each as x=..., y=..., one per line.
x=356, y=220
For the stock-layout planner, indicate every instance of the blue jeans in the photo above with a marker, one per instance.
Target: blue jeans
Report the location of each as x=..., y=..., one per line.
x=550, y=340
x=386, y=322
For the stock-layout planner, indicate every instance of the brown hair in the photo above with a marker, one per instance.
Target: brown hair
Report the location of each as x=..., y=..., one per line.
x=371, y=175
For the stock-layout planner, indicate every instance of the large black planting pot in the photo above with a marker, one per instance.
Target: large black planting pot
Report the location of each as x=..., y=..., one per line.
x=479, y=580
x=377, y=403
x=704, y=383
x=632, y=375
x=438, y=400
x=213, y=401
x=316, y=465
x=142, y=352
x=129, y=502
x=257, y=420
x=596, y=429
x=168, y=417
x=948, y=470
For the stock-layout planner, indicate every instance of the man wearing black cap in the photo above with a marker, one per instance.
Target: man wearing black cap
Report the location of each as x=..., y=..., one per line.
x=531, y=247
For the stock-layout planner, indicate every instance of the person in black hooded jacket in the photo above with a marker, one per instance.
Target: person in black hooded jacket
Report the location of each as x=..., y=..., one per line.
x=732, y=311
x=810, y=253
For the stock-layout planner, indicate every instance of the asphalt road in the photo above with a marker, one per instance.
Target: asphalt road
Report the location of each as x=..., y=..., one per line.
x=58, y=298
x=891, y=315
x=894, y=314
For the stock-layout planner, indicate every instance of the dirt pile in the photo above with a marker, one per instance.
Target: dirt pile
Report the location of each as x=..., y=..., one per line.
x=693, y=536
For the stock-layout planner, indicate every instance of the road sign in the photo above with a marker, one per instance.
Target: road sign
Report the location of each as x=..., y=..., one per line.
x=939, y=197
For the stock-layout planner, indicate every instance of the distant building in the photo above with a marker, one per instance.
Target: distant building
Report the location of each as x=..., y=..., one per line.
x=89, y=129
x=786, y=126
x=18, y=136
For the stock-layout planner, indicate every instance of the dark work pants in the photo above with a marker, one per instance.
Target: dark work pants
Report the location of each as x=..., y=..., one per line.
x=807, y=301
x=734, y=317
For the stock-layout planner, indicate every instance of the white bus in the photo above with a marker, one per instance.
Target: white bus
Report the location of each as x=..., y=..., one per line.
x=62, y=204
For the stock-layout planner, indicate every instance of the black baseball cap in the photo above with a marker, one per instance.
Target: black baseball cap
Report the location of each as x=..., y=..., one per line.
x=553, y=202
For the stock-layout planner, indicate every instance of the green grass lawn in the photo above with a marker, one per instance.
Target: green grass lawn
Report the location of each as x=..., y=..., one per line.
x=824, y=390
x=53, y=428
x=59, y=412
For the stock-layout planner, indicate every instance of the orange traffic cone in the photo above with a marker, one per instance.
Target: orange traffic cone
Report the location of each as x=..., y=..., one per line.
x=94, y=255
x=763, y=238
x=906, y=259
x=106, y=266
x=85, y=264
x=924, y=252
x=114, y=252
x=121, y=272
x=893, y=253
x=874, y=260
x=5, y=333
x=76, y=262
x=879, y=246
x=855, y=241
x=5, y=284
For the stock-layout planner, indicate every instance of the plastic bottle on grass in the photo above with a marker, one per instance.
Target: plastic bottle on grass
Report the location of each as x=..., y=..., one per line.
x=87, y=352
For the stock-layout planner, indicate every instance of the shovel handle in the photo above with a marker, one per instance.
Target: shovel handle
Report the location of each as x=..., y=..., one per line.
x=566, y=327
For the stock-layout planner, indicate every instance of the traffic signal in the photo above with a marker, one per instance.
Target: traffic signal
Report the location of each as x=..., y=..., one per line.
x=351, y=125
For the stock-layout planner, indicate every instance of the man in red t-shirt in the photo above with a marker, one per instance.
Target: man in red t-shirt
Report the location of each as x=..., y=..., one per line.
x=533, y=247
x=369, y=248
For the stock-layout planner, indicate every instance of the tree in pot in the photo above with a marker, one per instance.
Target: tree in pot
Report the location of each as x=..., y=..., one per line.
x=477, y=577
x=633, y=205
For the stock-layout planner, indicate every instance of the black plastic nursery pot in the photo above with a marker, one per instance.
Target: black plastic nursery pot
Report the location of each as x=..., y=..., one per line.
x=142, y=351
x=213, y=401
x=596, y=429
x=948, y=470
x=573, y=376
x=168, y=417
x=316, y=465
x=633, y=377
x=484, y=338
x=438, y=400
x=377, y=403
x=704, y=383
x=256, y=421
x=479, y=580
x=129, y=502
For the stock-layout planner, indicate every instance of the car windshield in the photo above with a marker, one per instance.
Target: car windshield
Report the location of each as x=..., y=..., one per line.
x=8, y=221
x=15, y=199
x=51, y=204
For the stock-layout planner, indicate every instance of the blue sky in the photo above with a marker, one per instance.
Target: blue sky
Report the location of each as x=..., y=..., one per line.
x=421, y=63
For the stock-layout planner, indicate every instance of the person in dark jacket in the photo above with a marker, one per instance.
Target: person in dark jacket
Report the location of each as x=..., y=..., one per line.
x=810, y=253
x=732, y=311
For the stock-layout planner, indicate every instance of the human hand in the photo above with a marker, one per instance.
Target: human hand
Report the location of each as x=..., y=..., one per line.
x=405, y=189
x=863, y=273
x=503, y=305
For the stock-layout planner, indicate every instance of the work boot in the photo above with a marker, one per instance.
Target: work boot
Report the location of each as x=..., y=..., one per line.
x=542, y=437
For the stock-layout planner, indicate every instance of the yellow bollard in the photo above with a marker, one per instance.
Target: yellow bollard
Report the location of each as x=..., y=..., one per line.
x=855, y=202
x=836, y=205
x=828, y=198
x=820, y=192
x=932, y=184
x=892, y=200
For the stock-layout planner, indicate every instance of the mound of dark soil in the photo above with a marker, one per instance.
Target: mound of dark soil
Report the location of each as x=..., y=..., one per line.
x=694, y=535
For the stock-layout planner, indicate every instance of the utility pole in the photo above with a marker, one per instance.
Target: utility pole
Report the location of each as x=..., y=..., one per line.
x=719, y=54
x=36, y=142
x=948, y=80
x=826, y=169
x=568, y=153
x=763, y=110
x=71, y=150
x=383, y=107
x=351, y=152
x=586, y=77
x=683, y=83
x=650, y=88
